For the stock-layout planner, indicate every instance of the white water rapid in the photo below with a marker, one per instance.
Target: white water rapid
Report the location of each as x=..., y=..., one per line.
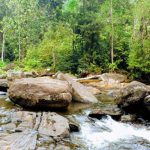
x=108, y=134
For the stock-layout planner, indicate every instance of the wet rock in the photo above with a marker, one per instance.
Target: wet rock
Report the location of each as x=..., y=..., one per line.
x=51, y=147
x=44, y=141
x=46, y=72
x=74, y=127
x=147, y=102
x=3, y=85
x=40, y=93
x=114, y=112
x=93, y=90
x=28, y=74
x=114, y=93
x=25, y=120
x=62, y=147
x=13, y=74
x=133, y=93
x=107, y=87
x=113, y=78
x=106, y=98
x=128, y=118
x=54, y=125
x=3, y=76
x=79, y=92
x=131, y=99
x=73, y=124
x=5, y=120
x=24, y=140
x=30, y=130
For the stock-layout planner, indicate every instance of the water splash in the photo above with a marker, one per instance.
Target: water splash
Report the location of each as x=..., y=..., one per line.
x=108, y=134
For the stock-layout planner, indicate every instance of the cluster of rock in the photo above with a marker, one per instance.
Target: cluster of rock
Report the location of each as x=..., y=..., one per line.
x=31, y=130
x=132, y=98
x=58, y=92
x=45, y=92
x=135, y=98
x=47, y=130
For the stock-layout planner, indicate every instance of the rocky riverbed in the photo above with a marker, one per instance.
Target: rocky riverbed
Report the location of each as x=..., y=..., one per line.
x=106, y=122
x=68, y=130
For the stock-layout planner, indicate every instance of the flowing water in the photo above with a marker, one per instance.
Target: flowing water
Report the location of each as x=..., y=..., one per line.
x=104, y=134
x=108, y=134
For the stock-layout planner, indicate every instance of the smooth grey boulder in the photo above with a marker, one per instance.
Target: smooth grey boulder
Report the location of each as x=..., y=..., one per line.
x=80, y=93
x=133, y=93
x=40, y=93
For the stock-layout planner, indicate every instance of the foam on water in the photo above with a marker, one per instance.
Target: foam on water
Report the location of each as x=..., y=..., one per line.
x=102, y=133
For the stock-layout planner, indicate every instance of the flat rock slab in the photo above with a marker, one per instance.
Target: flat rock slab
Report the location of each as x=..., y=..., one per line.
x=25, y=140
x=42, y=92
x=79, y=92
x=113, y=78
x=24, y=129
x=93, y=90
x=54, y=125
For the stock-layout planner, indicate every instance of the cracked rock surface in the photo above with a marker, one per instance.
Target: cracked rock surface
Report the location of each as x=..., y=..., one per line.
x=26, y=130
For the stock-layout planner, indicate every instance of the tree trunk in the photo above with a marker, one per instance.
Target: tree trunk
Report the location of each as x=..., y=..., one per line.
x=19, y=47
x=112, y=33
x=3, y=47
x=54, y=61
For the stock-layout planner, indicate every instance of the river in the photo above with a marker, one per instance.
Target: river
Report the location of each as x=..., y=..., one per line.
x=94, y=134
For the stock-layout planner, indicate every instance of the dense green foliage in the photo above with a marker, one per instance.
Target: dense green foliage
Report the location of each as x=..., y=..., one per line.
x=77, y=35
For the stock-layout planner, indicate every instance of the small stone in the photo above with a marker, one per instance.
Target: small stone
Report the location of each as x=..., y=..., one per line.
x=128, y=118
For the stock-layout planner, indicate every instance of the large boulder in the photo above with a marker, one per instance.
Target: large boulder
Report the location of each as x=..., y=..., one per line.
x=133, y=99
x=42, y=92
x=79, y=92
x=133, y=93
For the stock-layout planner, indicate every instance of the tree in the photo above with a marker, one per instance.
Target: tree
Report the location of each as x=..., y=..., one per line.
x=55, y=49
x=139, y=58
x=2, y=26
x=116, y=19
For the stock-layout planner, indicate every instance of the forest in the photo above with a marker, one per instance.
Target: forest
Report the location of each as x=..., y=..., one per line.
x=74, y=74
x=76, y=35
